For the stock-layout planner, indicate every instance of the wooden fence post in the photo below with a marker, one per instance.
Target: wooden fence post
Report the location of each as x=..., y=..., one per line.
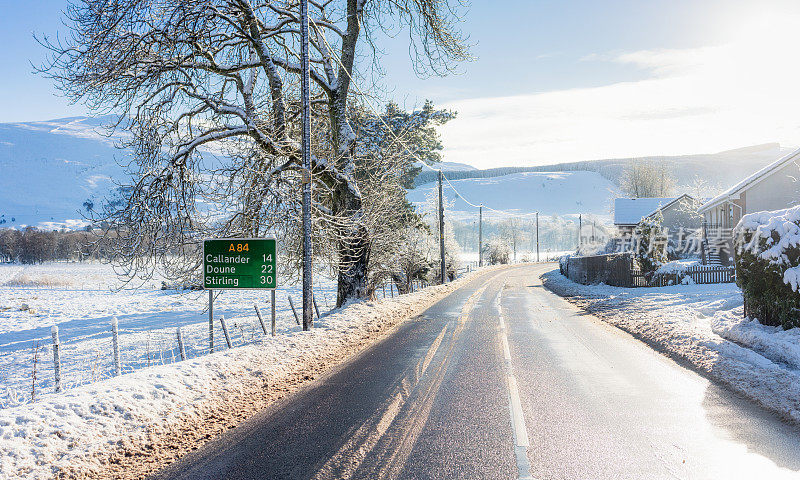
x=225, y=331
x=316, y=308
x=56, y=357
x=181, y=349
x=35, y=364
x=291, y=304
x=260, y=320
x=115, y=346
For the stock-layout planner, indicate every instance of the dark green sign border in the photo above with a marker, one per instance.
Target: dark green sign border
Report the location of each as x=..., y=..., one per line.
x=242, y=269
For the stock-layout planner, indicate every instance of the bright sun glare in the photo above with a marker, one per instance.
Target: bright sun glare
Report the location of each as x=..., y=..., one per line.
x=738, y=90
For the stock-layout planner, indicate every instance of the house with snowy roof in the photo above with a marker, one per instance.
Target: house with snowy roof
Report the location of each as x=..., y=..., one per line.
x=677, y=212
x=774, y=187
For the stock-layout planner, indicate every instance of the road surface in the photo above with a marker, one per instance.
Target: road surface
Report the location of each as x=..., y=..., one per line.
x=504, y=380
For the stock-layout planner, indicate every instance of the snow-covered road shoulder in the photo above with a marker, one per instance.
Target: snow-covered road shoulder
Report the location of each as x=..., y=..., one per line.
x=703, y=325
x=128, y=426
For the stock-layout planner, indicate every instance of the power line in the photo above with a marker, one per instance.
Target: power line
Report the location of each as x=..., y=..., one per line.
x=502, y=212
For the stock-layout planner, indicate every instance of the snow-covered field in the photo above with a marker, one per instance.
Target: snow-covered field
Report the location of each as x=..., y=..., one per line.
x=704, y=325
x=125, y=426
x=81, y=300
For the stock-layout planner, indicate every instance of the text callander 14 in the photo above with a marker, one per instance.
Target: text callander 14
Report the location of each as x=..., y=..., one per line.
x=240, y=263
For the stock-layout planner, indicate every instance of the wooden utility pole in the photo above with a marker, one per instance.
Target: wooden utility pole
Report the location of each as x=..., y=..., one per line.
x=480, y=236
x=441, y=229
x=537, y=236
x=308, y=296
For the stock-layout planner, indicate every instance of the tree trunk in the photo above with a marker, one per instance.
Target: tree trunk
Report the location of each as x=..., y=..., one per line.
x=353, y=247
x=353, y=241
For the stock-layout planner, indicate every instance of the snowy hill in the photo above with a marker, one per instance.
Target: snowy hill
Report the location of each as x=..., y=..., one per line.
x=51, y=168
x=720, y=170
x=551, y=193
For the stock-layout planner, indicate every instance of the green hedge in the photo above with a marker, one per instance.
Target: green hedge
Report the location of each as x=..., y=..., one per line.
x=764, y=250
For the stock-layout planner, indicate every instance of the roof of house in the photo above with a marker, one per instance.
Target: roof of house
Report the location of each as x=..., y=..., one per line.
x=747, y=182
x=630, y=211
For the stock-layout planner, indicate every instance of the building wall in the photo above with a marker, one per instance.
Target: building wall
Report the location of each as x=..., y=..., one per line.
x=727, y=214
x=715, y=216
x=779, y=190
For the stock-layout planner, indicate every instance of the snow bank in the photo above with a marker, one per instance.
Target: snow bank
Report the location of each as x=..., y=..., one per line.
x=778, y=345
x=704, y=325
x=678, y=266
x=126, y=426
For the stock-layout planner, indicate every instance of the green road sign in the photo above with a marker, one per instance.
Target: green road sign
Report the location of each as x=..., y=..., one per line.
x=239, y=263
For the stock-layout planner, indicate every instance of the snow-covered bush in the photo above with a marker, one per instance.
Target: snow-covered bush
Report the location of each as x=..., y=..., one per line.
x=413, y=259
x=650, y=248
x=452, y=250
x=497, y=251
x=768, y=266
x=452, y=253
x=678, y=267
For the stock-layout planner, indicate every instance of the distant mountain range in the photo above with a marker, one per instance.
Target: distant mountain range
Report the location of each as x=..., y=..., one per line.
x=52, y=172
x=720, y=170
x=549, y=193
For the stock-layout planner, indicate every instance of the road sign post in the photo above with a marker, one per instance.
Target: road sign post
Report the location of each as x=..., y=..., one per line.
x=238, y=264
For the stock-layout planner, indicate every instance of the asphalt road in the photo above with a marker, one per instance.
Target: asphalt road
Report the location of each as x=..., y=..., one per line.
x=502, y=380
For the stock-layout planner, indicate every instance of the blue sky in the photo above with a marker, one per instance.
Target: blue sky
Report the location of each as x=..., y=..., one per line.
x=554, y=80
x=534, y=45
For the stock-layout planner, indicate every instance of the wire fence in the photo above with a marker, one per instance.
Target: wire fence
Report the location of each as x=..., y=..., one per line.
x=65, y=360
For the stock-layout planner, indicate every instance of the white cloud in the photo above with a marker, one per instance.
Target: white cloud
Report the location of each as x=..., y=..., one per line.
x=707, y=99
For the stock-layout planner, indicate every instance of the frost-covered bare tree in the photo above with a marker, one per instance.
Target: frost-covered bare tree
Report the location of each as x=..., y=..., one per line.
x=647, y=179
x=415, y=257
x=385, y=166
x=208, y=89
x=497, y=251
x=513, y=233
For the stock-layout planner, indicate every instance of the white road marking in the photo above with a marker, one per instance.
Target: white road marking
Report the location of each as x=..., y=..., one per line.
x=521, y=440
